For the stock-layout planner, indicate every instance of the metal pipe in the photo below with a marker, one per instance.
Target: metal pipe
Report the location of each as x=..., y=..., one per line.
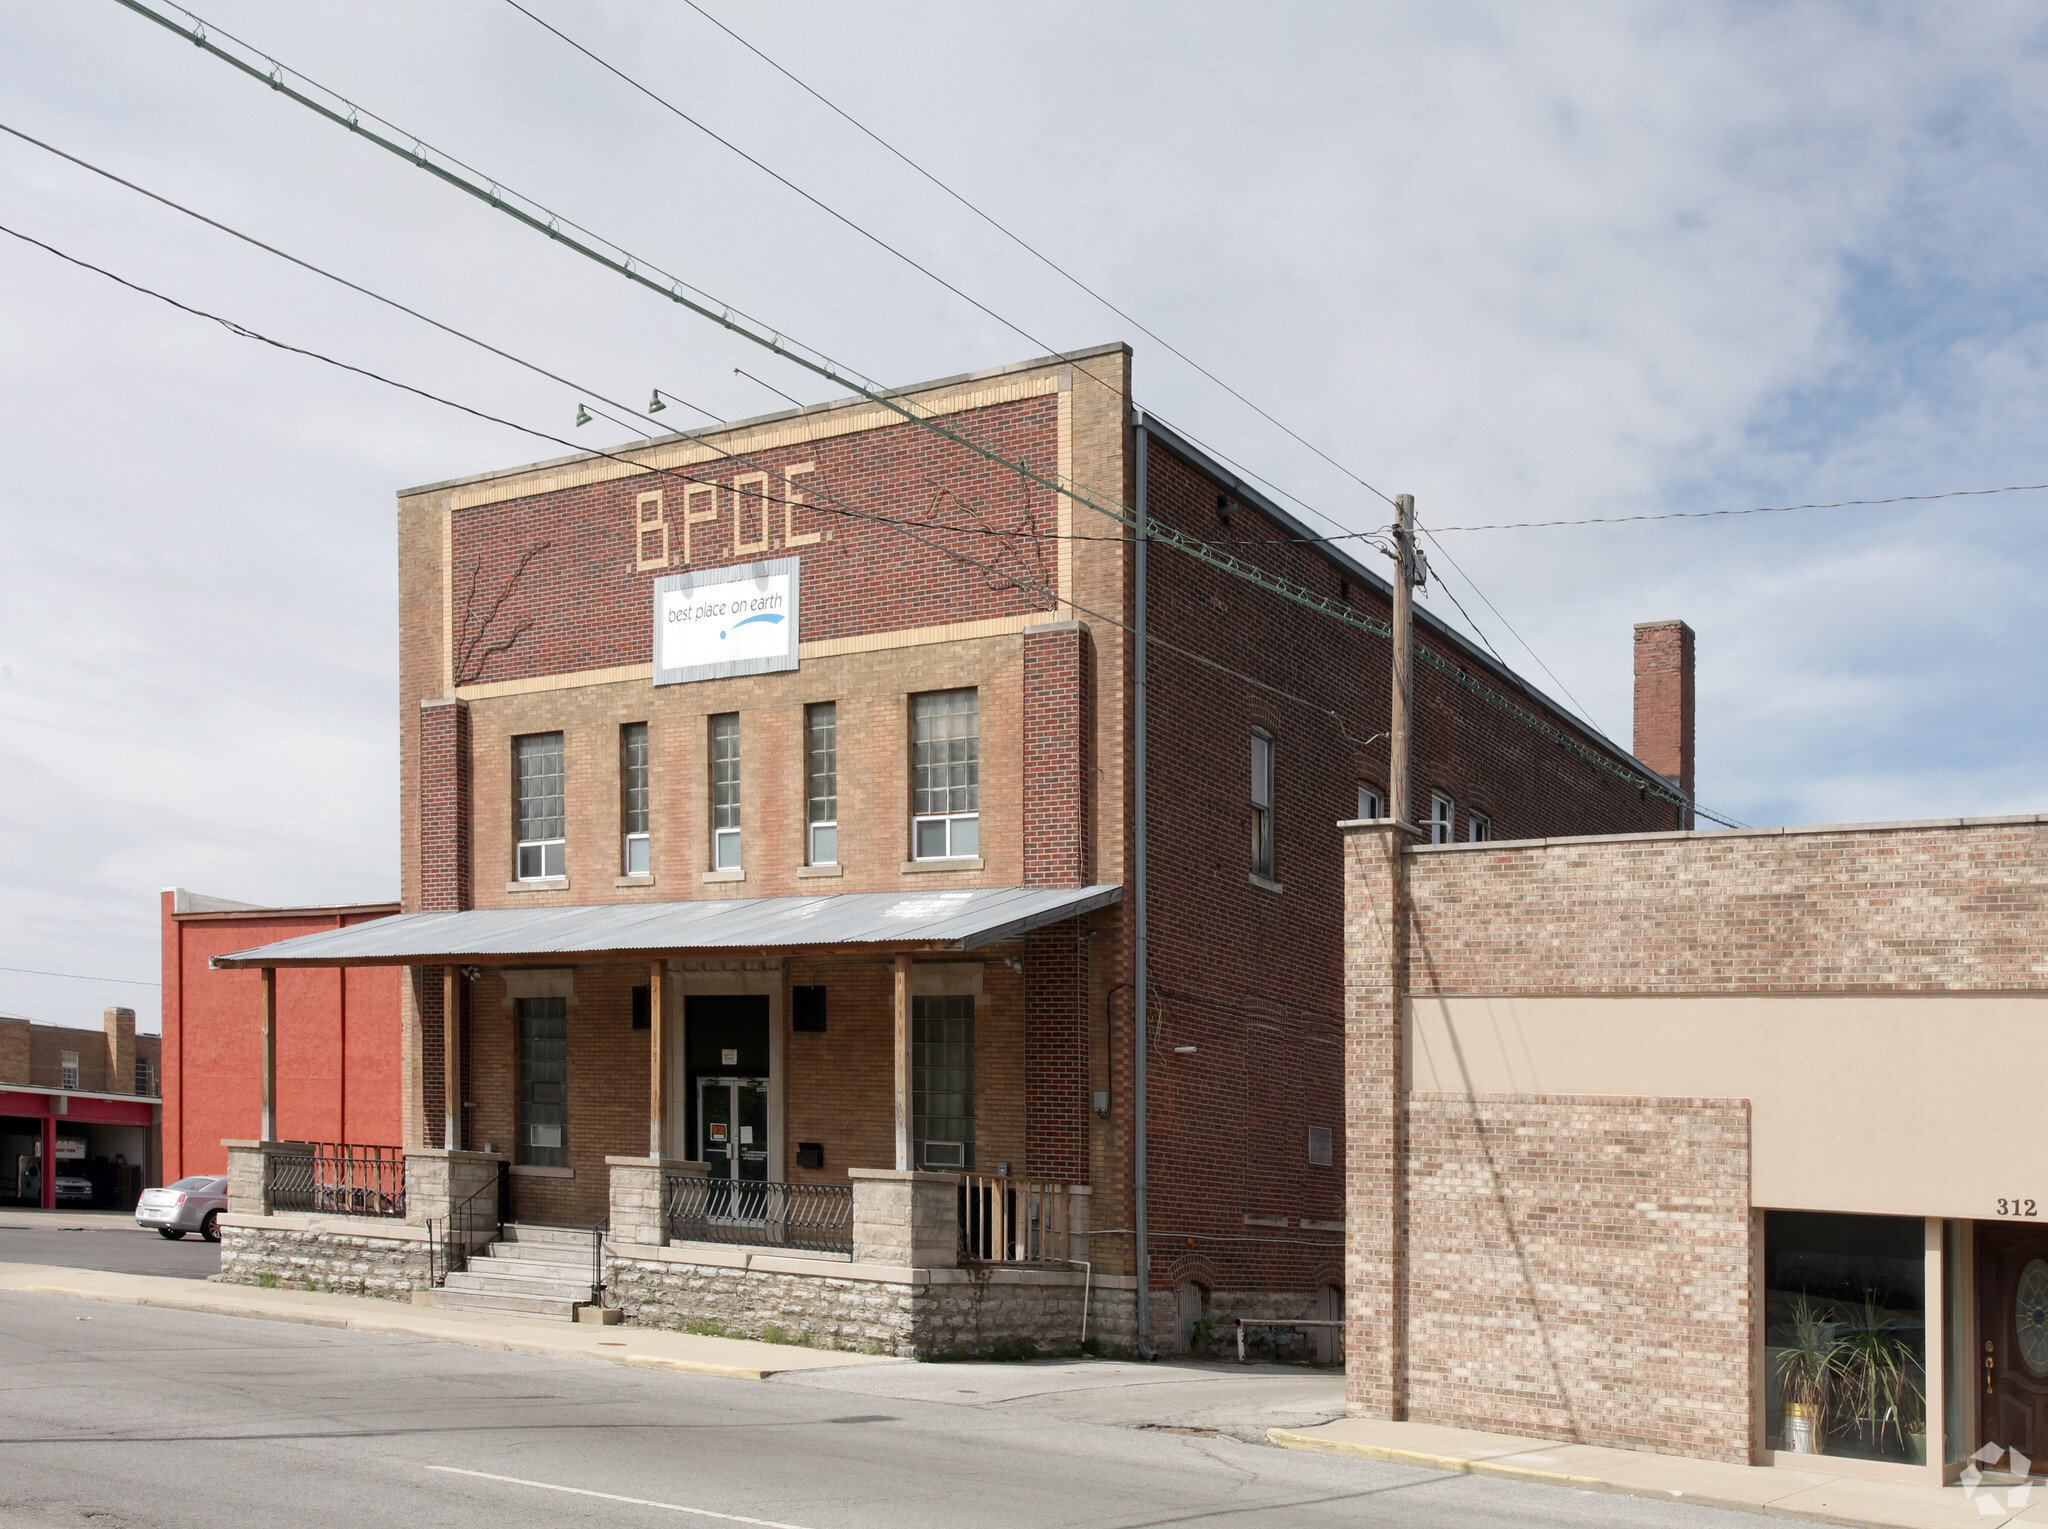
x=1140, y=1007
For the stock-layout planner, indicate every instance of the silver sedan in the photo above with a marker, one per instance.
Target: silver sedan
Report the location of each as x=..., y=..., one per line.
x=190, y=1205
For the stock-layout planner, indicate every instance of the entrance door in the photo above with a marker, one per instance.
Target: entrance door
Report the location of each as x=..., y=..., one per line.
x=732, y=1136
x=2012, y=1327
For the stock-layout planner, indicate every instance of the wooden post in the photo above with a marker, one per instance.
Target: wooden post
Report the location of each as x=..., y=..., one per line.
x=657, y=1066
x=451, y=1056
x=903, y=1143
x=269, y=974
x=1398, y=805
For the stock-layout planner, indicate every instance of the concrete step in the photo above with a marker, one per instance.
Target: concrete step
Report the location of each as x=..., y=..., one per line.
x=568, y=1236
x=516, y=1282
x=550, y=1308
x=537, y=1253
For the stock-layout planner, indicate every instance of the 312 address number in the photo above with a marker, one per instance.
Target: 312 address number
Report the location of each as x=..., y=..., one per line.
x=2017, y=1208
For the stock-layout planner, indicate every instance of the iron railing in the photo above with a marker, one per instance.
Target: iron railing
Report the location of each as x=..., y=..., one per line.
x=1013, y=1221
x=338, y=1180
x=815, y=1218
x=471, y=1223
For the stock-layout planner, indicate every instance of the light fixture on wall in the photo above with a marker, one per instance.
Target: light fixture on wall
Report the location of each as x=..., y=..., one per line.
x=654, y=404
x=1183, y=1051
x=472, y=973
x=582, y=415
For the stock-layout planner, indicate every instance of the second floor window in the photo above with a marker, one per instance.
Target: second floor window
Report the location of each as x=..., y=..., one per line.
x=1478, y=829
x=821, y=788
x=68, y=1070
x=1262, y=804
x=945, y=775
x=1442, y=813
x=1370, y=803
x=633, y=798
x=145, y=1077
x=725, y=792
x=538, y=810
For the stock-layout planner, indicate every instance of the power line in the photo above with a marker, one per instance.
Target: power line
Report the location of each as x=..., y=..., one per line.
x=29, y=971
x=1456, y=565
x=1032, y=250
x=1765, y=509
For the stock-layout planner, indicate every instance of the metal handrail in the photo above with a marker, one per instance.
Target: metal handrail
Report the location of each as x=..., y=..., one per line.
x=815, y=1218
x=475, y=1212
x=1013, y=1221
x=335, y=1179
x=597, y=1285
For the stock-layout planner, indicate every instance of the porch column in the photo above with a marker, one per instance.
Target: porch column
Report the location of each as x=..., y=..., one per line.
x=451, y=1058
x=269, y=1053
x=657, y=1069
x=49, y=1185
x=903, y=1162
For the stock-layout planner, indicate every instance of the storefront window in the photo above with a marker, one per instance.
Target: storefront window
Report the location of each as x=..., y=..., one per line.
x=1845, y=1336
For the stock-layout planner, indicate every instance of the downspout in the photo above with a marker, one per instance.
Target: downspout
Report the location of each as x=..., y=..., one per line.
x=1140, y=1003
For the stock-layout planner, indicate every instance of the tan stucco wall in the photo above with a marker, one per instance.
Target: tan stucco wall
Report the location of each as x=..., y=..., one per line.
x=1918, y=1104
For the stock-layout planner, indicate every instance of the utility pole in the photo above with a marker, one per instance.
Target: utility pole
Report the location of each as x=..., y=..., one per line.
x=1398, y=805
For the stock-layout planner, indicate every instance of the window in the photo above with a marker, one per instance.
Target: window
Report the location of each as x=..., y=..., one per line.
x=544, y=1082
x=1319, y=1145
x=1262, y=803
x=633, y=859
x=1442, y=812
x=539, y=814
x=725, y=792
x=945, y=775
x=144, y=1082
x=68, y=1071
x=821, y=783
x=942, y=1081
x=1370, y=803
x=1478, y=829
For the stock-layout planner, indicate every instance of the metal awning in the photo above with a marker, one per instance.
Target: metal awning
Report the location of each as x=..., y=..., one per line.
x=882, y=921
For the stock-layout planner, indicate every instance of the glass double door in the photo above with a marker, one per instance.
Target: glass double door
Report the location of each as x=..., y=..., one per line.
x=732, y=1138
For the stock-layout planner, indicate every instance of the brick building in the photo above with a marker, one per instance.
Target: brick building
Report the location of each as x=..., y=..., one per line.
x=86, y=1100
x=771, y=799
x=1644, y=1127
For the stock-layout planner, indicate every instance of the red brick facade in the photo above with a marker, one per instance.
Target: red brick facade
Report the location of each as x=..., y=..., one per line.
x=445, y=822
x=1056, y=767
x=1664, y=700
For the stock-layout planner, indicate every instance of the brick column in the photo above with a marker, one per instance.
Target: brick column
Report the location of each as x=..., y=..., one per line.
x=1375, y=1308
x=120, y=1025
x=437, y=1181
x=1056, y=1053
x=444, y=806
x=1664, y=696
x=1055, y=755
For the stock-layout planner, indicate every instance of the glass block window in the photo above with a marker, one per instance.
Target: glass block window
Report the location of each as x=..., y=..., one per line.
x=67, y=1070
x=821, y=788
x=539, y=812
x=145, y=1076
x=942, y=1081
x=544, y=1082
x=725, y=792
x=633, y=798
x=945, y=775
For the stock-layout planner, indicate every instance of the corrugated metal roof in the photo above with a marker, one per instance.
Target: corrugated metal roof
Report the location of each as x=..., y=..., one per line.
x=932, y=920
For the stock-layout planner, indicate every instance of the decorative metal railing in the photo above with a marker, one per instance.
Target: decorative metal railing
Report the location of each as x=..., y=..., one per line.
x=1013, y=1221
x=338, y=1180
x=816, y=1218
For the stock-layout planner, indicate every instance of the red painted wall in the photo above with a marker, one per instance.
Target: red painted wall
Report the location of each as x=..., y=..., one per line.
x=338, y=1040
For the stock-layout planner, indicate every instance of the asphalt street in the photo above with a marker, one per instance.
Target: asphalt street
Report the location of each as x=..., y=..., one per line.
x=123, y=1249
x=124, y=1417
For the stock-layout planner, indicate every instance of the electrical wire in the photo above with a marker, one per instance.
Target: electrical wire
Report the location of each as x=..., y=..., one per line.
x=29, y=971
x=1764, y=509
x=1584, y=716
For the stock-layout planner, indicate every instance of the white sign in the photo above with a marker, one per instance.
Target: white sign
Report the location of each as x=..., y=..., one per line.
x=726, y=621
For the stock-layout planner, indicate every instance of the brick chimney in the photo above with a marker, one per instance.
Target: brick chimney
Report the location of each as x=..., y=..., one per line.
x=1664, y=701
x=120, y=1051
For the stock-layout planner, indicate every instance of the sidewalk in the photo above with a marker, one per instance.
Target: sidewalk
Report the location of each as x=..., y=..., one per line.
x=1818, y=1494
x=645, y=1347
x=62, y=1220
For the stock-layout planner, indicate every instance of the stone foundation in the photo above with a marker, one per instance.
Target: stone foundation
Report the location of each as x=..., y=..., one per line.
x=367, y=1257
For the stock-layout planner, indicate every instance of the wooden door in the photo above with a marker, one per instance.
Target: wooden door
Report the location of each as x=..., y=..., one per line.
x=2012, y=1333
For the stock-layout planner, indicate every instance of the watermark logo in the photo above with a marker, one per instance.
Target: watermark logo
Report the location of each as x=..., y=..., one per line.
x=1993, y=1501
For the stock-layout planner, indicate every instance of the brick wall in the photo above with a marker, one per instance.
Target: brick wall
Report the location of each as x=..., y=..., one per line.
x=1664, y=700
x=446, y=826
x=1056, y=727
x=1578, y=1269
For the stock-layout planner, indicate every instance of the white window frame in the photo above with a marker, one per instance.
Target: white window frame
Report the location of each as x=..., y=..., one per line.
x=725, y=842
x=1371, y=804
x=636, y=855
x=540, y=859
x=959, y=832
x=145, y=1083
x=67, y=1069
x=1478, y=828
x=1443, y=817
x=821, y=835
x=1263, y=769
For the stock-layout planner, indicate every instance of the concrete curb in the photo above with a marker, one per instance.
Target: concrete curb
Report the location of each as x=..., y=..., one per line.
x=1453, y=1464
x=441, y=1326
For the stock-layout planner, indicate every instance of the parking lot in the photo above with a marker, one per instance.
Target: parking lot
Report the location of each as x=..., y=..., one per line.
x=101, y=1240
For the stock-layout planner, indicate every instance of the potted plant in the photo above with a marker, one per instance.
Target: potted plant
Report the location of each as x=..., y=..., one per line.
x=1876, y=1388
x=1806, y=1377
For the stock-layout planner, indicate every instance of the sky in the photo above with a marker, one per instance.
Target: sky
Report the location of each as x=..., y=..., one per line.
x=1526, y=263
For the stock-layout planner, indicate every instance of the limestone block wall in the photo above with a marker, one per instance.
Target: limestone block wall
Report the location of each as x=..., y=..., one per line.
x=381, y=1259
